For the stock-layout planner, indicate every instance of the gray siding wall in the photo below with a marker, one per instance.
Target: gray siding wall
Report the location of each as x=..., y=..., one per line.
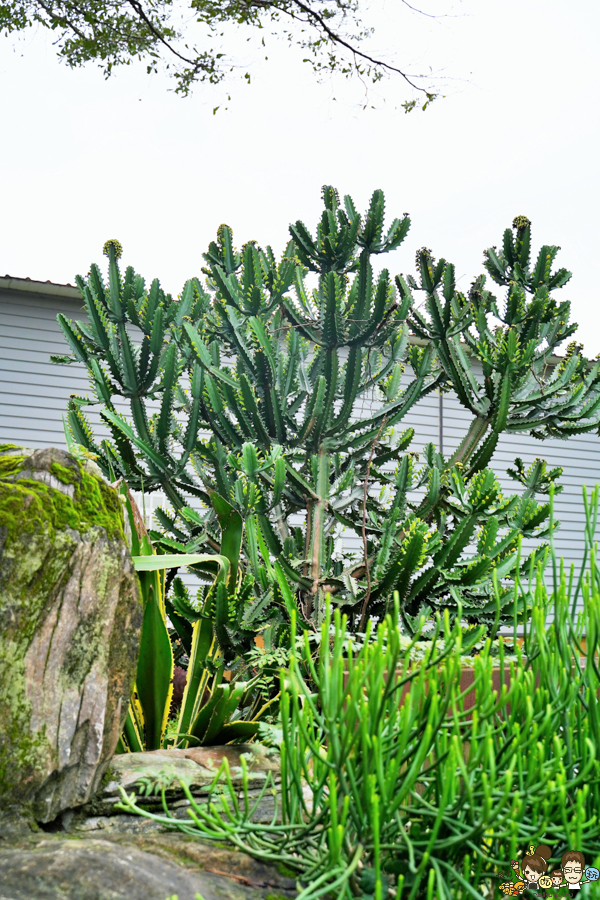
x=34, y=394
x=33, y=391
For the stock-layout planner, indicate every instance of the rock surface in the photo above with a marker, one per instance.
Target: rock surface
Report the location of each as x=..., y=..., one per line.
x=197, y=767
x=70, y=622
x=54, y=868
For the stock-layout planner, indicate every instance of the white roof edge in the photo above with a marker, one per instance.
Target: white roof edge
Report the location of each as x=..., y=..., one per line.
x=29, y=286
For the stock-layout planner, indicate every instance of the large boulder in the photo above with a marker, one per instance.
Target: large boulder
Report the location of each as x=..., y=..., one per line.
x=120, y=868
x=70, y=624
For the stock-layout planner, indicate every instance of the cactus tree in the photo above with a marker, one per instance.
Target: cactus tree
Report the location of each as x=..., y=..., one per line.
x=251, y=385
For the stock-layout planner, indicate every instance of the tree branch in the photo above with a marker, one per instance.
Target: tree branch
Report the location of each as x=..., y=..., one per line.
x=138, y=9
x=337, y=39
x=108, y=33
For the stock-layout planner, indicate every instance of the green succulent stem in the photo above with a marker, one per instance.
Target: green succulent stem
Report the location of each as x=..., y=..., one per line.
x=285, y=386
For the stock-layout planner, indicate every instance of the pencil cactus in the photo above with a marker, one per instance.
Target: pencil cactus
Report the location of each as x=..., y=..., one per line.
x=250, y=386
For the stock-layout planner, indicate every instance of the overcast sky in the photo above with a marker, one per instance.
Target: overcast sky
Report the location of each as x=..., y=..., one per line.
x=83, y=159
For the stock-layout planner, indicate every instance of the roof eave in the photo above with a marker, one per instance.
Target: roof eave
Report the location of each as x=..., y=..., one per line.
x=28, y=286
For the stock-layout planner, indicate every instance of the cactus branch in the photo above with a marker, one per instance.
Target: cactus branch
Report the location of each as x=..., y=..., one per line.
x=367, y=597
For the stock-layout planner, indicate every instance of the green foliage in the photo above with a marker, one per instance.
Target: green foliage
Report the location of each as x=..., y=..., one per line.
x=213, y=711
x=390, y=781
x=254, y=386
x=113, y=35
x=92, y=502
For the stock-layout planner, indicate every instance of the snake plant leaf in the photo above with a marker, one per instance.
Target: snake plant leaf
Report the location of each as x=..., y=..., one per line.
x=204, y=657
x=226, y=707
x=133, y=730
x=219, y=695
x=155, y=663
x=179, y=560
x=238, y=730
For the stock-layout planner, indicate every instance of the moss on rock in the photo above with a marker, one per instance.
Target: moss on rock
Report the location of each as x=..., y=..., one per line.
x=70, y=619
x=31, y=497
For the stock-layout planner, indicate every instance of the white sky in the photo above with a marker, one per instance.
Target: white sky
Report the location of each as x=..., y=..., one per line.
x=83, y=159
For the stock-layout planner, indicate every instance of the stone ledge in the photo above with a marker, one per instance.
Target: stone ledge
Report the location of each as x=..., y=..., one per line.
x=197, y=767
x=121, y=867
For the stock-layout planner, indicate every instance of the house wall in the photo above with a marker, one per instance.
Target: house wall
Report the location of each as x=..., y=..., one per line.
x=34, y=394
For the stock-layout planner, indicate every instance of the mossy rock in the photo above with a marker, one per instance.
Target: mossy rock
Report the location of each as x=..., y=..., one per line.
x=70, y=623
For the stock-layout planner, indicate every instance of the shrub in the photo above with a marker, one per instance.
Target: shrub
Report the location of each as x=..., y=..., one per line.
x=249, y=385
x=389, y=783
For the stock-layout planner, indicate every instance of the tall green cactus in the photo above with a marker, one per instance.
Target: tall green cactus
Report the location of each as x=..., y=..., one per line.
x=250, y=385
